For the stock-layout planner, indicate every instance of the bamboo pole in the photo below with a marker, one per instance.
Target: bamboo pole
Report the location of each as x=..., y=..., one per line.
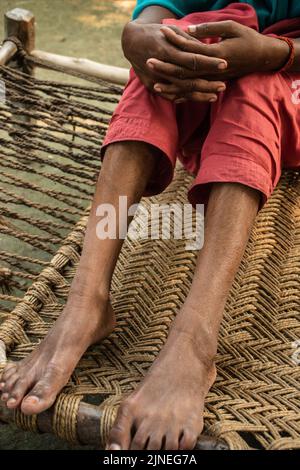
x=117, y=75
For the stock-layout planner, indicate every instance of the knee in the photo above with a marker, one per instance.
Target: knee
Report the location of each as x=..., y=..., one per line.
x=264, y=84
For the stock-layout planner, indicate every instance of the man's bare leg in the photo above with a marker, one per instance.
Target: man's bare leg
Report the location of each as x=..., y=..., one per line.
x=88, y=317
x=166, y=410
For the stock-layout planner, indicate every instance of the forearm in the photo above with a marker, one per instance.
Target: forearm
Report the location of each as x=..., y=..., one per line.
x=154, y=14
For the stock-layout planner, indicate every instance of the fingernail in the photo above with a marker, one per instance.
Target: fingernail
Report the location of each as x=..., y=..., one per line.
x=192, y=28
x=150, y=64
x=157, y=88
x=11, y=402
x=222, y=88
x=212, y=100
x=180, y=100
x=222, y=65
x=113, y=447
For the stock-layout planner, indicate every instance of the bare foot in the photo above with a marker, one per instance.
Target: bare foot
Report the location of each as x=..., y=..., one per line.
x=34, y=383
x=166, y=410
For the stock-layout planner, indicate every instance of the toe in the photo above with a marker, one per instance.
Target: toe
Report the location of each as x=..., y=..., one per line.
x=10, y=382
x=9, y=370
x=41, y=397
x=18, y=392
x=171, y=440
x=45, y=391
x=140, y=439
x=120, y=435
x=188, y=440
x=155, y=441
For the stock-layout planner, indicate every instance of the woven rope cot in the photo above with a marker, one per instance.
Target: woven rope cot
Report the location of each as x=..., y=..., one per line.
x=50, y=135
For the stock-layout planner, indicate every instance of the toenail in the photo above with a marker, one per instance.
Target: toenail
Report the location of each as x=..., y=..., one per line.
x=4, y=397
x=114, y=447
x=32, y=399
x=11, y=402
x=2, y=385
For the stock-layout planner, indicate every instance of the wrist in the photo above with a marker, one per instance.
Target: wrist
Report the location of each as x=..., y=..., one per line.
x=276, y=55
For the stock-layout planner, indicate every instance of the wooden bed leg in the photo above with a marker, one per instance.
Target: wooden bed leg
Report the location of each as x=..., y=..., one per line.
x=88, y=426
x=20, y=24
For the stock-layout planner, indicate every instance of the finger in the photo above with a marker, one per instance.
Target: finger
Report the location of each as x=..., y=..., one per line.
x=168, y=96
x=196, y=96
x=167, y=70
x=176, y=35
x=208, y=62
x=223, y=29
x=187, y=43
x=199, y=47
x=202, y=66
x=189, y=86
x=199, y=97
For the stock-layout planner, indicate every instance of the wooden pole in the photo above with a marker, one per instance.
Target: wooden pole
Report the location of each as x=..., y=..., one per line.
x=20, y=24
x=3, y=358
x=88, y=426
x=7, y=51
x=117, y=75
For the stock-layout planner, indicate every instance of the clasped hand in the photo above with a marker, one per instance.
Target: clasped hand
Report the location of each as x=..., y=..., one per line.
x=179, y=66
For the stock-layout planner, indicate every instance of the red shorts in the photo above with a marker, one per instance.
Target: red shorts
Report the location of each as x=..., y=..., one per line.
x=246, y=137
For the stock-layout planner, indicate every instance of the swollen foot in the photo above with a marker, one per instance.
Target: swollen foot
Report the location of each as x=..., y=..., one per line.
x=34, y=383
x=166, y=411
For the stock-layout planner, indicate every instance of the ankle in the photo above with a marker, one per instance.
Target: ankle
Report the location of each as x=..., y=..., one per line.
x=204, y=351
x=90, y=290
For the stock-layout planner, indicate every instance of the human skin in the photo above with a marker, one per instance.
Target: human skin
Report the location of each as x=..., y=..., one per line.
x=268, y=54
x=199, y=68
x=143, y=38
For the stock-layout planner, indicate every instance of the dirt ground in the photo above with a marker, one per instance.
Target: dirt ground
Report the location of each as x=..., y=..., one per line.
x=80, y=28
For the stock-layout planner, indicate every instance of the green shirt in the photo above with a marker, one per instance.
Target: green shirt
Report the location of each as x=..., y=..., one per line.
x=268, y=11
